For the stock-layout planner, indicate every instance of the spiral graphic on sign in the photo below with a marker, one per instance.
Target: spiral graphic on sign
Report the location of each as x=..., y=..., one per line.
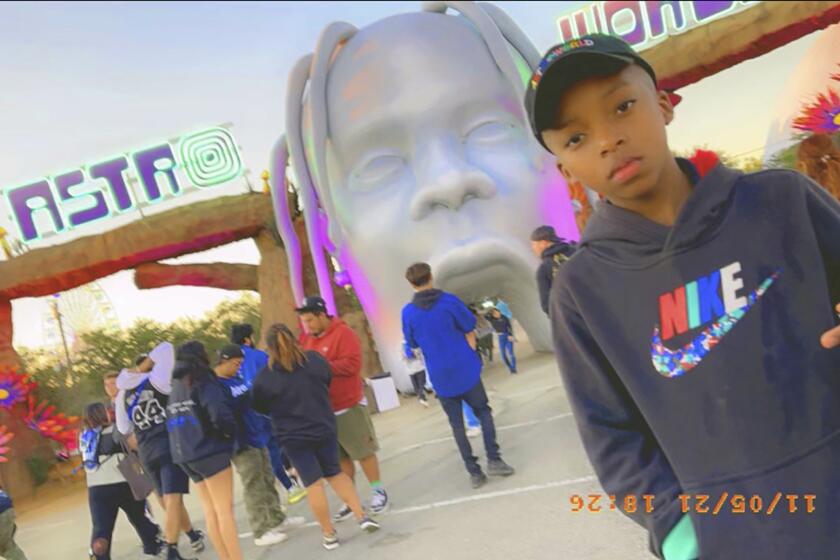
x=210, y=157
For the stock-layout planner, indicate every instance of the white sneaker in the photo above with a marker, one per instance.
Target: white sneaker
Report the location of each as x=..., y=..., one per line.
x=290, y=523
x=270, y=538
x=473, y=432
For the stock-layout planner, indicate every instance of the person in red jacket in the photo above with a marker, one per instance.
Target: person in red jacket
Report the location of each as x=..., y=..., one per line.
x=333, y=339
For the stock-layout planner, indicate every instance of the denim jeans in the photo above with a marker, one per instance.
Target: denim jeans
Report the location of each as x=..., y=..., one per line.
x=476, y=398
x=506, y=349
x=469, y=416
x=276, y=456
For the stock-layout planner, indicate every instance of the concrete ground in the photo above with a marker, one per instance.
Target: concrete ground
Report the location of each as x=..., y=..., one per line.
x=435, y=513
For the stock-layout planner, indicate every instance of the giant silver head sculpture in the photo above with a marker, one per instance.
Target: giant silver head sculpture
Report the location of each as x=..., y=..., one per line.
x=409, y=142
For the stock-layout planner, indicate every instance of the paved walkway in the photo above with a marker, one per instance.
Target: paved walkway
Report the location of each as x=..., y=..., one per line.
x=435, y=513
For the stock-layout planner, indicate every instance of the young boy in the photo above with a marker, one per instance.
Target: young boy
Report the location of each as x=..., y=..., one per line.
x=8, y=548
x=693, y=326
x=444, y=329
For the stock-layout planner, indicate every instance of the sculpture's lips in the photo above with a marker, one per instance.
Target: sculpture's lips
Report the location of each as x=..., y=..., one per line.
x=475, y=256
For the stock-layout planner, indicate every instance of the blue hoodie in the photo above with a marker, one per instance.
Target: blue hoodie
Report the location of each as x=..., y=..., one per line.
x=437, y=322
x=255, y=360
x=254, y=429
x=5, y=501
x=691, y=356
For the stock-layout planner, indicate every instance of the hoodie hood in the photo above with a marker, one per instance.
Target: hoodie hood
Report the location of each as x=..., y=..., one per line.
x=128, y=379
x=427, y=298
x=624, y=237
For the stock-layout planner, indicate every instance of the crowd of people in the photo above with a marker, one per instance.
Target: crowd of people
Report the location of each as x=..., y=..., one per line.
x=296, y=414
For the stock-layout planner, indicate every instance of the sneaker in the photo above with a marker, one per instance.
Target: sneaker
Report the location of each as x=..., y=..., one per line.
x=270, y=538
x=160, y=548
x=330, y=542
x=478, y=480
x=499, y=468
x=296, y=494
x=173, y=554
x=196, y=540
x=473, y=431
x=343, y=514
x=290, y=523
x=424, y=402
x=368, y=525
x=379, y=502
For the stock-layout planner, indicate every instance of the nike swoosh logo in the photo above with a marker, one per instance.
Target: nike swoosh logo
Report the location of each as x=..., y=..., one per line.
x=674, y=363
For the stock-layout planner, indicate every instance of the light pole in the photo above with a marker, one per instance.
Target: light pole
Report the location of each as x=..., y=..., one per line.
x=58, y=319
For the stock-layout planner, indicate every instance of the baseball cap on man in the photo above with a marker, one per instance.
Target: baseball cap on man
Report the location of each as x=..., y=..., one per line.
x=568, y=63
x=544, y=233
x=230, y=352
x=313, y=304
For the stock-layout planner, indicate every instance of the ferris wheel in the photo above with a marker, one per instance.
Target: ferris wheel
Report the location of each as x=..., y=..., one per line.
x=75, y=312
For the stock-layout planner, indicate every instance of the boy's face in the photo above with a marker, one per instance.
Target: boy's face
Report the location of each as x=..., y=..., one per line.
x=228, y=368
x=609, y=134
x=111, y=387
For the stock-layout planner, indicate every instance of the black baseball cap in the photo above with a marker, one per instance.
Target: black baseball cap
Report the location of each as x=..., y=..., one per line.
x=544, y=233
x=230, y=352
x=568, y=63
x=313, y=304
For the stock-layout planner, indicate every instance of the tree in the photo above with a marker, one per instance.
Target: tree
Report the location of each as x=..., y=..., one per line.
x=106, y=350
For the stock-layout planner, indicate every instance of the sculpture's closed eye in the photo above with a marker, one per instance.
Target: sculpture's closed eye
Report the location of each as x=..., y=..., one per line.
x=377, y=171
x=491, y=132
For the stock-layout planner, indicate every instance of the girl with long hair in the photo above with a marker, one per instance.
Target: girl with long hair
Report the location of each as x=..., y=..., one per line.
x=202, y=427
x=108, y=492
x=294, y=392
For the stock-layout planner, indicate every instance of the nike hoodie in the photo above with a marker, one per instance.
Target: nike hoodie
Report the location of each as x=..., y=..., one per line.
x=692, y=360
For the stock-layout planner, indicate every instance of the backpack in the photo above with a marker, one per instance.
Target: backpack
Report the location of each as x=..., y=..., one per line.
x=560, y=259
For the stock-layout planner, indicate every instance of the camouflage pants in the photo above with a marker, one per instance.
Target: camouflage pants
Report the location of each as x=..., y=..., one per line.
x=8, y=549
x=262, y=502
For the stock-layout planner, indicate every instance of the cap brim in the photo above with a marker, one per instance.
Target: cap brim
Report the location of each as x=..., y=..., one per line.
x=307, y=310
x=565, y=73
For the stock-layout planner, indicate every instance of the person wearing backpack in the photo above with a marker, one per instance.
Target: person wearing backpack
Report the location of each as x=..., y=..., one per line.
x=108, y=491
x=140, y=410
x=553, y=252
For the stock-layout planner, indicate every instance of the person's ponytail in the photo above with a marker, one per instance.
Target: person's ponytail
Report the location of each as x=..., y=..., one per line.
x=283, y=349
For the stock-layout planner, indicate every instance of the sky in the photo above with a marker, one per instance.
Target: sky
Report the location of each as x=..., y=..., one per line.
x=83, y=81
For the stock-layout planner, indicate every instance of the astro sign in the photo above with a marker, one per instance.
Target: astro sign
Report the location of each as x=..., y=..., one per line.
x=644, y=24
x=96, y=192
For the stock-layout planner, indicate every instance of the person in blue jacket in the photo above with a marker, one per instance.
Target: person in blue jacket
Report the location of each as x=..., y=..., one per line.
x=695, y=328
x=443, y=327
x=202, y=429
x=253, y=362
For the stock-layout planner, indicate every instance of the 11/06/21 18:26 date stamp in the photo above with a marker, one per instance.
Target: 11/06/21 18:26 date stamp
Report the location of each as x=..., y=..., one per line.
x=779, y=502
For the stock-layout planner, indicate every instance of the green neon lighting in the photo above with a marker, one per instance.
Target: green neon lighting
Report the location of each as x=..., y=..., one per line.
x=210, y=157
